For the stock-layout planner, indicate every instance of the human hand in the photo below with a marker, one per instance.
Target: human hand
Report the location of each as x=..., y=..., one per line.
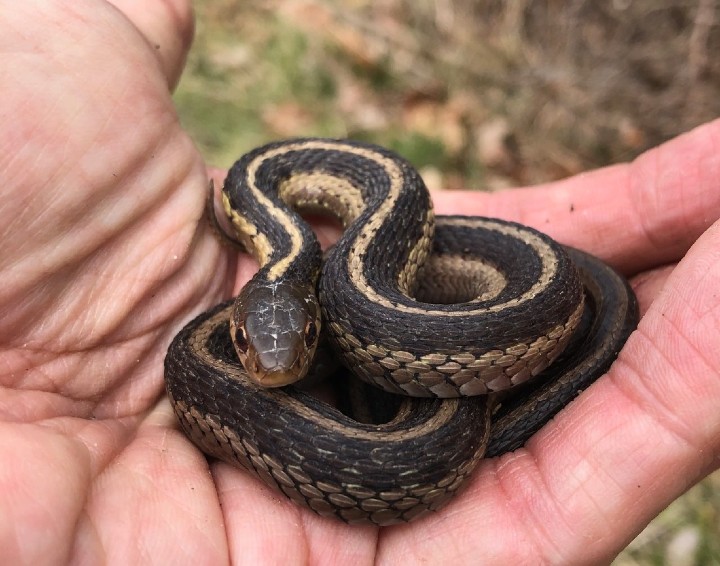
x=102, y=257
x=105, y=256
x=592, y=478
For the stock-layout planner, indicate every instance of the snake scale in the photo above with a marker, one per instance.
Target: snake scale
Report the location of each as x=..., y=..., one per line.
x=467, y=335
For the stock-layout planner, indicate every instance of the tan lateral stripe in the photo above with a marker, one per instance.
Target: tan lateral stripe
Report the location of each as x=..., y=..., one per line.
x=199, y=338
x=280, y=216
x=545, y=253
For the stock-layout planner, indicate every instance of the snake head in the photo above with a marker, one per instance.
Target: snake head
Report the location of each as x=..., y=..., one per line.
x=275, y=329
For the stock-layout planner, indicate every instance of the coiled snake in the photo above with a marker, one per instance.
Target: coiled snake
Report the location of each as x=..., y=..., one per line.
x=455, y=318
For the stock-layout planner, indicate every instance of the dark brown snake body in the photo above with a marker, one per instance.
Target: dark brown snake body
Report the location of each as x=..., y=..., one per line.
x=472, y=354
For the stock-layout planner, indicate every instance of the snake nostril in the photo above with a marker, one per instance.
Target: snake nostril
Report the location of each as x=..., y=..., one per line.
x=310, y=334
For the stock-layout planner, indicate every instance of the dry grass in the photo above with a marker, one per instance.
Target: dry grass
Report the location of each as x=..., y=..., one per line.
x=478, y=94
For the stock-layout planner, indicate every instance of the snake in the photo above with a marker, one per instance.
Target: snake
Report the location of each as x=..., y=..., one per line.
x=459, y=336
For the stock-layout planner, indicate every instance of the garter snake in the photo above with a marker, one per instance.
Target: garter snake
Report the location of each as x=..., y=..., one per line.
x=456, y=318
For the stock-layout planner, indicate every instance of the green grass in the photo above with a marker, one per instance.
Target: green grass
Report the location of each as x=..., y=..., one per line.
x=243, y=89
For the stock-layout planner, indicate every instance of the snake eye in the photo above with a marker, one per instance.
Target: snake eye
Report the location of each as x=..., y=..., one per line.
x=310, y=334
x=240, y=339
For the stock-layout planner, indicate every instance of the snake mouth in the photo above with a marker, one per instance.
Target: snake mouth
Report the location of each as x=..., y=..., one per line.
x=277, y=378
x=275, y=368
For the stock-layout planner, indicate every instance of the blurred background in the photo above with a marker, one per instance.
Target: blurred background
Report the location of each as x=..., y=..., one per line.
x=478, y=94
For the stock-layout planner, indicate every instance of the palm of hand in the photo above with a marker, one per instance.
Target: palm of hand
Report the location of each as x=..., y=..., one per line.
x=105, y=256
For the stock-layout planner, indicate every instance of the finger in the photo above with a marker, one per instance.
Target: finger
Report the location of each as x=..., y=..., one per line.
x=43, y=483
x=167, y=26
x=153, y=503
x=636, y=216
x=595, y=476
x=649, y=285
x=254, y=515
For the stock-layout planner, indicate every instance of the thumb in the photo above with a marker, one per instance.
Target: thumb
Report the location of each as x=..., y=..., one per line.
x=168, y=27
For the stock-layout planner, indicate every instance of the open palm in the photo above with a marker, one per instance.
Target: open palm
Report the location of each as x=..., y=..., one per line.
x=104, y=255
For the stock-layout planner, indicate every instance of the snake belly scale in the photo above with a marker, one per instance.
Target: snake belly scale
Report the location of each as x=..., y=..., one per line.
x=469, y=358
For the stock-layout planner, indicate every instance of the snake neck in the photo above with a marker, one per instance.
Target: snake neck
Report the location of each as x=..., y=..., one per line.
x=284, y=246
x=356, y=183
